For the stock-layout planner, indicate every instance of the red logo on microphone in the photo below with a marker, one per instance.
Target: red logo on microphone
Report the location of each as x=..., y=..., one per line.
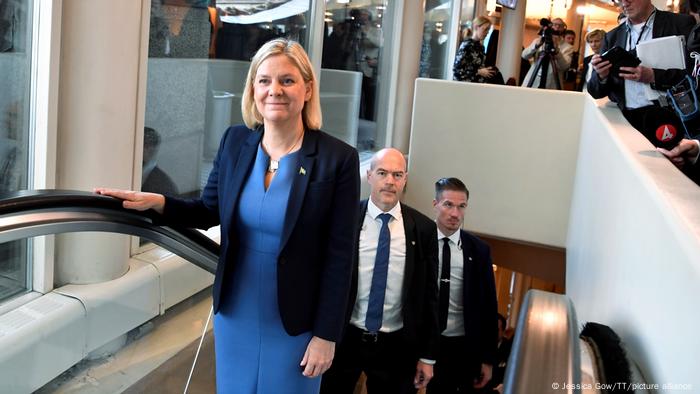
x=666, y=132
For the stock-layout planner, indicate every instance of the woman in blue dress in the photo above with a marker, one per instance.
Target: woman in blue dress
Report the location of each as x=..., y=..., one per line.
x=286, y=195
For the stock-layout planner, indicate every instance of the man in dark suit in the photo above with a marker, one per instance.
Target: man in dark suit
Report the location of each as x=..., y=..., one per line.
x=644, y=22
x=468, y=310
x=491, y=48
x=393, y=328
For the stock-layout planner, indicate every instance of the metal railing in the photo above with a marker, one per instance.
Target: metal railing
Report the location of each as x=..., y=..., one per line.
x=34, y=213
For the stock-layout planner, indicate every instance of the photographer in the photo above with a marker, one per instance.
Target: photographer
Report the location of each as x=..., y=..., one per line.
x=364, y=42
x=550, y=39
x=627, y=89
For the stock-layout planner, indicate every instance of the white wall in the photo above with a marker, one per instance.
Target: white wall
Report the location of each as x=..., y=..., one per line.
x=562, y=169
x=514, y=148
x=633, y=248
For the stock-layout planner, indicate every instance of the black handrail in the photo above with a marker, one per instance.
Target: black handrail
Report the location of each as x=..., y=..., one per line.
x=31, y=213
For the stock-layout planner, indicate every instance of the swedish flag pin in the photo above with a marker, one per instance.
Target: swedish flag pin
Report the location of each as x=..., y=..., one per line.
x=302, y=171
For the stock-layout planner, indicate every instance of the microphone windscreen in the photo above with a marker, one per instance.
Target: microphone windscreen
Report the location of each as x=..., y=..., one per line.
x=662, y=127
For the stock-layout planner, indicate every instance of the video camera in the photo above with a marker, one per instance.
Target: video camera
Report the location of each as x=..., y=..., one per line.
x=547, y=32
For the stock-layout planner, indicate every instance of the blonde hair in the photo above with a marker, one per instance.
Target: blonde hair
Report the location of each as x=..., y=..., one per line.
x=311, y=113
x=595, y=33
x=480, y=20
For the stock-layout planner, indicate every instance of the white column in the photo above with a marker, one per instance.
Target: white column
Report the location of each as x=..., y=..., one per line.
x=406, y=60
x=510, y=41
x=101, y=48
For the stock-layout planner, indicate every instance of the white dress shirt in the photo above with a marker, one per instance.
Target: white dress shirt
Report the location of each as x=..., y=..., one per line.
x=635, y=94
x=455, y=310
x=392, y=319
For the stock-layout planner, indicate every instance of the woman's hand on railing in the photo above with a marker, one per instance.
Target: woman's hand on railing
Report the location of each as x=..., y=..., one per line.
x=139, y=201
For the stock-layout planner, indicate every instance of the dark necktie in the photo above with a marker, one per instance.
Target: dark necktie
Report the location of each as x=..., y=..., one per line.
x=375, y=306
x=445, y=284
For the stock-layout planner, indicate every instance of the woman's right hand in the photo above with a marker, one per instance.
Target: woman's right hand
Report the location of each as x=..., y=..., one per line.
x=486, y=72
x=139, y=201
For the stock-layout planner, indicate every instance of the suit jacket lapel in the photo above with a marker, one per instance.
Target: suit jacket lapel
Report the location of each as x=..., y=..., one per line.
x=240, y=172
x=300, y=183
x=621, y=40
x=409, y=228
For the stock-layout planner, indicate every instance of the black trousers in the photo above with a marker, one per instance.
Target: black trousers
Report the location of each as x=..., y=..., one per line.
x=386, y=360
x=454, y=371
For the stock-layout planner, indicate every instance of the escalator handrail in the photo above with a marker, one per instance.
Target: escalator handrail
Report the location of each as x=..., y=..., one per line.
x=545, y=356
x=29, y=213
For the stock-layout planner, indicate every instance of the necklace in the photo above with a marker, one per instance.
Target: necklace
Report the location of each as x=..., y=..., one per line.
x=275, y=164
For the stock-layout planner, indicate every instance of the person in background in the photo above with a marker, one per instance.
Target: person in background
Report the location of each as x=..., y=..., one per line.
x=561, y=58
x=628, y=88
x=685, y=157
x=569, y=37
x=153, y=178
x=469, y=63
x=595, y=40
x=467, y=298
x=285, y=195
x=505, y=343
x=392, y=331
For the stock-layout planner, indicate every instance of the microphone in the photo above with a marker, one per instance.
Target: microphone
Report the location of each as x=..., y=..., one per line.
x=662, y=127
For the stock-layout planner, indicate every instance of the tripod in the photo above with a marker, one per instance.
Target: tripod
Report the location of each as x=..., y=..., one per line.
x=544, y=60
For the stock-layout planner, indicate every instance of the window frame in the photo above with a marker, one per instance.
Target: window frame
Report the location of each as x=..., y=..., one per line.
x=45, y=53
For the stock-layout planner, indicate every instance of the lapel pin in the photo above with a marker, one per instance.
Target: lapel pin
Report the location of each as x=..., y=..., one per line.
x=302, y=171
x=470, y=259
x=413, y=242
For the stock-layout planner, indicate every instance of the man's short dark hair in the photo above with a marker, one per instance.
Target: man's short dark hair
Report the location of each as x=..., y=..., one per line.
x=569, y=33
x=453, y=184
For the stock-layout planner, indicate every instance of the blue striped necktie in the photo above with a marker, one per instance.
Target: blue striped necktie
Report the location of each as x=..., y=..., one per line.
x=375, y=306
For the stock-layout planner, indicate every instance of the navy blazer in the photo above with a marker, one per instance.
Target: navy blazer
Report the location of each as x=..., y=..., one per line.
x=319, y=238
x=665, y=24
x=479, y=301
x=419, y=293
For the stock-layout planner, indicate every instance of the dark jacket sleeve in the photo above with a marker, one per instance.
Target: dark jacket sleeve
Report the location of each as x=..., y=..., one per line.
x=340, y=251
x=665, y=79
x=489, y=320
x=430, y=326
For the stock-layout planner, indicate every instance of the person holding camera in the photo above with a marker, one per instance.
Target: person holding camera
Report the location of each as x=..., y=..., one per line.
x=469, y=63
x=627, y=88
x=560, y=51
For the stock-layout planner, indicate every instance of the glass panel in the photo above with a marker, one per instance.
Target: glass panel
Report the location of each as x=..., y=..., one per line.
x=13, y=268
x=15, y=137
x=352, y=71
x=199, y=52
x=436, y=28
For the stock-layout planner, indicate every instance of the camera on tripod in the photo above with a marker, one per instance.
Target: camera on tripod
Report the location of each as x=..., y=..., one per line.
x=547, y=32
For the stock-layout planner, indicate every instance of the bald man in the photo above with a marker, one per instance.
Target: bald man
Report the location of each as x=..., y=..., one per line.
x=392, y=332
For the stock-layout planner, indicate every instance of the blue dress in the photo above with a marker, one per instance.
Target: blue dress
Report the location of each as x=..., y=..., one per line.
x=254, y=354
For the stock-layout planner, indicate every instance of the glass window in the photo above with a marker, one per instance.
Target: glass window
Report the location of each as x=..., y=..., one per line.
x=199, y=53
x=354, y=72
x=436, y=28
x=15, y=131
